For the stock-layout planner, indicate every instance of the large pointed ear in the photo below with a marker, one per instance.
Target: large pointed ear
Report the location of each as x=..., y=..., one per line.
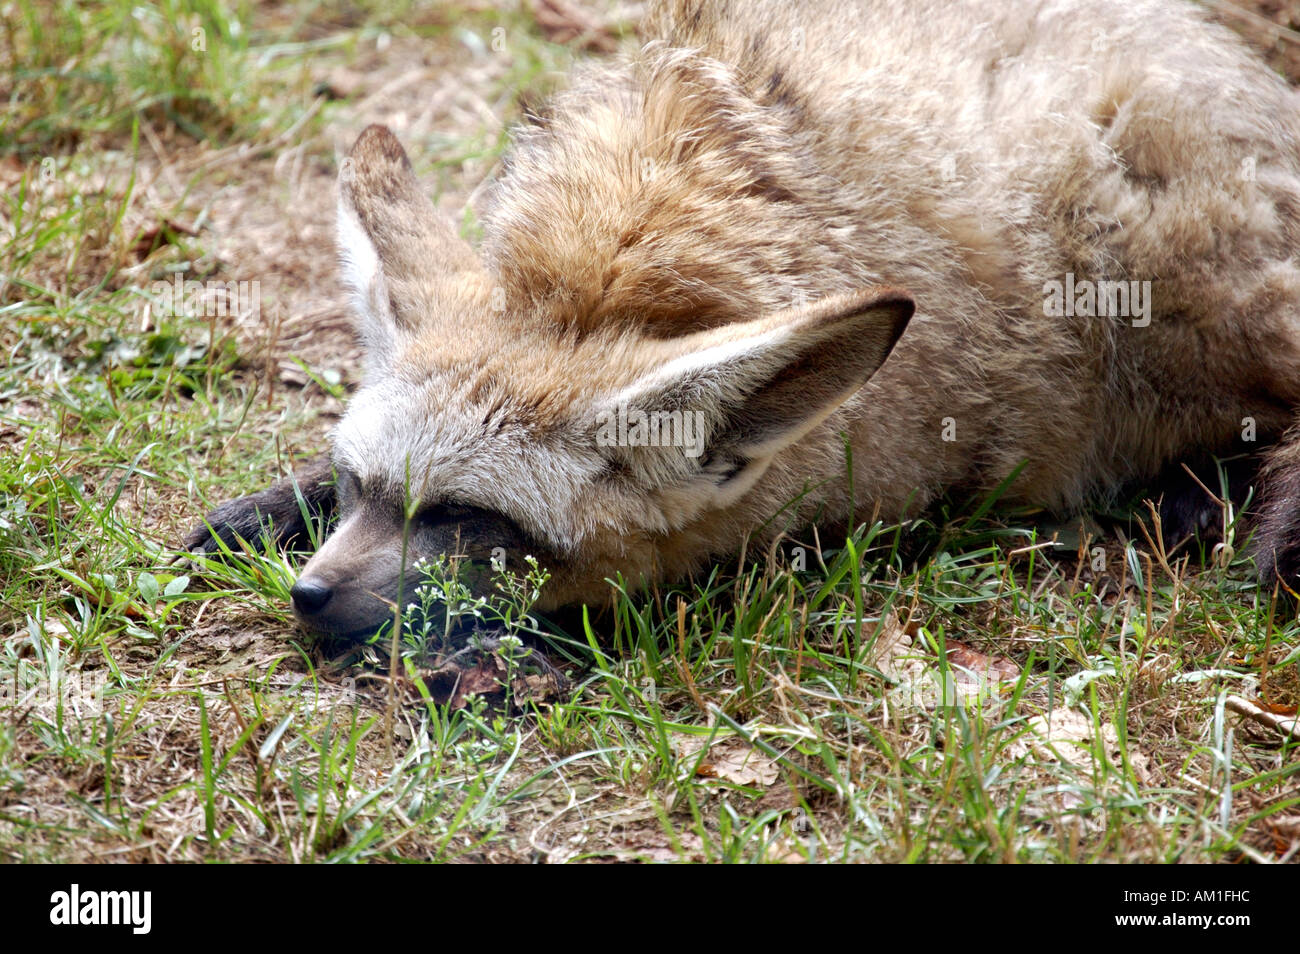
x=399, y=256
x=715, y=414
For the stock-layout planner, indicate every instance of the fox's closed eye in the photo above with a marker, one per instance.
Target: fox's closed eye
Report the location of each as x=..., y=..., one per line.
x=443, y=513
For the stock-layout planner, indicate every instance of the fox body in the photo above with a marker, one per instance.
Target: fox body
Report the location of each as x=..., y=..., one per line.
x=958, y=238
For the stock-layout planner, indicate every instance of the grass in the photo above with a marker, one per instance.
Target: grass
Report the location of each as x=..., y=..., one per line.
x=815, y=704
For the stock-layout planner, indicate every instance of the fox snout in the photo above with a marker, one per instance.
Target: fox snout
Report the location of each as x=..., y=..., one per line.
x=352, y=584
x=374, y=561
x=335, y=610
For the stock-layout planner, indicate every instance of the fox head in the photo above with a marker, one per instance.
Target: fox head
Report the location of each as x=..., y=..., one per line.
x=484, y=429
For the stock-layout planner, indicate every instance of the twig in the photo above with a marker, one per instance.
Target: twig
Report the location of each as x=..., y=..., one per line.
x=1283, y=725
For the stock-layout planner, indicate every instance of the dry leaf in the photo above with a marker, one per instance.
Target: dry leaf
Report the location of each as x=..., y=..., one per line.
x=893, y=652
x=735, y=761
x=900, y=654
x=1067, y=736
x=731, y=760
x=1276, y=708
x=981, y=665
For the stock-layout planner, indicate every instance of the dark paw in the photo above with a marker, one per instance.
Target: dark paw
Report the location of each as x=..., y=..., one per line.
x=285, y=511
x=1191, y=506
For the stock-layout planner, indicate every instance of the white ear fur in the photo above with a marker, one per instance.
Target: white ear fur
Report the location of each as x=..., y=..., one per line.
x=363, y=274
x=357, y=253
x=405, y=264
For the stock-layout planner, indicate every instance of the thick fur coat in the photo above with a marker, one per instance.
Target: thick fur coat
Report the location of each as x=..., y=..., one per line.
x=897, y=225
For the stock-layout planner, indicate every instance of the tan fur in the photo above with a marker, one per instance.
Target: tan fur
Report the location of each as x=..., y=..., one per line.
x=707, y=225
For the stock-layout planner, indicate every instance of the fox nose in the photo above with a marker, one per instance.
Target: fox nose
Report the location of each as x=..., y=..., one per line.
x=310, y=596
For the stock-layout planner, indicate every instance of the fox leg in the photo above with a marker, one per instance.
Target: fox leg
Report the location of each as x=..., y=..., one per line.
x=1188, y=512
x=1276, y=544
x=284, y=510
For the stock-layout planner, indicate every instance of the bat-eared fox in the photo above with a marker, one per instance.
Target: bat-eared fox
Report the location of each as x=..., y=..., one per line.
x=954, y=241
